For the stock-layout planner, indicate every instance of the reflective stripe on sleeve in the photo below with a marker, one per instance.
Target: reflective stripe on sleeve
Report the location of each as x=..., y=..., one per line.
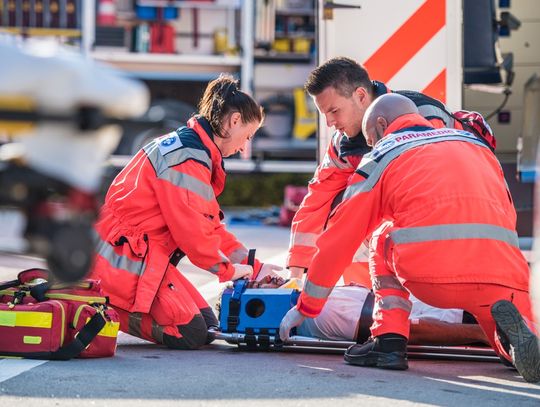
x=162, y=165
x=304, y=239
x=386, y=282
x=238, y=255
x=118, y=261
x=175, y=157
x=188, y=182
x=317, y=291
x=215, y=268
x=454, y=232
x=390, y=302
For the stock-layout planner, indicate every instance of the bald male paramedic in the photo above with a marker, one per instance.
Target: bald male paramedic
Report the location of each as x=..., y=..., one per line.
x=342, y=91
x=449, y=239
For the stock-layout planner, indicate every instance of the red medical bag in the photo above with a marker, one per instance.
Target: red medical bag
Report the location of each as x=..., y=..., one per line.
x=40, y=320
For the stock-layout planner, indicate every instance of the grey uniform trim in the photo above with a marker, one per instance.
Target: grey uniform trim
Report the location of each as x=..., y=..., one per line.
x=134, y=324
x=453, y=232
x=375, y=171
x=385, y=282
x=157, y=332
x=117, y=261
x=390, y=302
x=215, y=268
x=162, y=162
x=304, y=239
x=434, y=111
x=317, y=291
x=162, y=166
x=238, y=255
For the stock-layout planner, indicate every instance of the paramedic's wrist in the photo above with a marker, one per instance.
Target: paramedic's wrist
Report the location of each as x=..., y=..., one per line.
x=296, y=272
x=242, y=271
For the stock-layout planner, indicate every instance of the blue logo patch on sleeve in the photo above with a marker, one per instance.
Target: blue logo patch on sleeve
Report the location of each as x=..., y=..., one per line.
x=169, y=142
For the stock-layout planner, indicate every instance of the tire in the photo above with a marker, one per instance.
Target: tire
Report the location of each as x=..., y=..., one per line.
x=171, y=114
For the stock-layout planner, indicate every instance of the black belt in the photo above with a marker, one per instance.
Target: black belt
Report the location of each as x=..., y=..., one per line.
x=366, y=319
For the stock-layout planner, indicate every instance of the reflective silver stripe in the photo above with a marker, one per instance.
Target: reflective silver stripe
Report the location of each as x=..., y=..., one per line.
x=374, y=172
x=224, y=259
x=238, y=255
x=134, y=324
x=330, y=162
x=183, y=154
x=118, y=261
x=455, y=231
x=157, y=332
x=434, y=111
x=215, y=268
x=390, y=302
x=190, y=183
x=385, y=282
x=175, y=157
x=317, y=291
x=177, y=178
x=304, y=239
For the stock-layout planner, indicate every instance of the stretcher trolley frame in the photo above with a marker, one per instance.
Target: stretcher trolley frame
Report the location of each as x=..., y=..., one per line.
x=314, y=345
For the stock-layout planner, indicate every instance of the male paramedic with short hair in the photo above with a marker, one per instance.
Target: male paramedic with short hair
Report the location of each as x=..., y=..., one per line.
x=342, y=91
x=449, y=239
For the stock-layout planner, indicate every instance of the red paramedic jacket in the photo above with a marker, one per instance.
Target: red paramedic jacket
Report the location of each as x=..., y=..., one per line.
x=160, y=206
x=332, y=175
x=445, y=192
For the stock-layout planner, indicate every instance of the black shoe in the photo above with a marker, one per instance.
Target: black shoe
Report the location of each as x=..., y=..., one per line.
x=523, y=343
x=388, y=351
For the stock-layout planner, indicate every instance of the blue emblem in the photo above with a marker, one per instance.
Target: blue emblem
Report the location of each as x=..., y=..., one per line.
x=169, y=141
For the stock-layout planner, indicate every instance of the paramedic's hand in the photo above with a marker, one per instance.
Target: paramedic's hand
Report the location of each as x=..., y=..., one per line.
x=268, y=270
x=292, y=319
x=296, y=272
x=242, y=271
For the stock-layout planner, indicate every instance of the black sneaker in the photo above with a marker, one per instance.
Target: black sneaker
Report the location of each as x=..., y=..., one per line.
x=523, y=347
x=388, y=351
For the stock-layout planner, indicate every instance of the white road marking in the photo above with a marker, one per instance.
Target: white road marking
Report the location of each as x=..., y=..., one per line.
x=13, y=367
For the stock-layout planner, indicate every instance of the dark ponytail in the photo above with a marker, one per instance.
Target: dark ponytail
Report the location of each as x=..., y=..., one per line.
x=223, y=97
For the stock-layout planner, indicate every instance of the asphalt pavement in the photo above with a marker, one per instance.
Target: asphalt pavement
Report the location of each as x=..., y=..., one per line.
x=142, y=373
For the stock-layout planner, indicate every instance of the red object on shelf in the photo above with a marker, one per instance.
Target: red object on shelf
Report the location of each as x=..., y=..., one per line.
x=106, y=13
x=161, y=38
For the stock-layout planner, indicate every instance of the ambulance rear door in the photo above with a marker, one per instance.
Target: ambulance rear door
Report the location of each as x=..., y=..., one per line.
x=412, y=44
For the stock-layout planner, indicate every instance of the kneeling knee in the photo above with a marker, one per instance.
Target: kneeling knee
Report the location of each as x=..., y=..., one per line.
x=193, y=335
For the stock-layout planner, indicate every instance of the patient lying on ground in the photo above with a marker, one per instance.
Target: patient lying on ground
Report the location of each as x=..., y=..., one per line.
x=347, y=317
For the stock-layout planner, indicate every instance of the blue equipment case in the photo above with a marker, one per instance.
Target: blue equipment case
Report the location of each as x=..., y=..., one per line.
x=254, y=310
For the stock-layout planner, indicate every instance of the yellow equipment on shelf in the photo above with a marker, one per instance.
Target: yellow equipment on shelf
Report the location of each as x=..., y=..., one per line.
x=305, y=116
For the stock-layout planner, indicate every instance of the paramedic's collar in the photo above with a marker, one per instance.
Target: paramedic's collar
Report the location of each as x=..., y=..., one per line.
x=353, y=146
x=379, y=89
x=206, y=126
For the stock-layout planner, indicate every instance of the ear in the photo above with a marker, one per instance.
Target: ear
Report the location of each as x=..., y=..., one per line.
x=362, y=94
x=381, y=124
x=235, y=119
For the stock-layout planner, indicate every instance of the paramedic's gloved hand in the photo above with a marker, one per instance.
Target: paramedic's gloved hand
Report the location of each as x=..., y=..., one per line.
x=268, y=270
x=292, y=319
x=296, y=272
x=242, y=271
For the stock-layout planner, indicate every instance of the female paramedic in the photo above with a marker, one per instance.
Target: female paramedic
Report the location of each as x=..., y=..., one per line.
x=163, y=206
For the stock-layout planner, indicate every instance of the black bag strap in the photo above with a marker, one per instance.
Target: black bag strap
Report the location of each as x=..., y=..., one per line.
x=9, y=284
x=82, y=339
